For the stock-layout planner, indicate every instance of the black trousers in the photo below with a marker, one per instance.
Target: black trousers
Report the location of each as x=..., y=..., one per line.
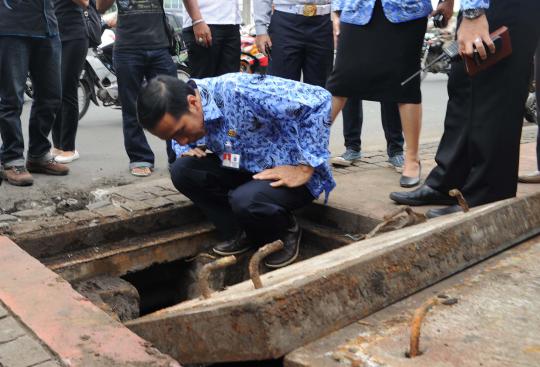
x=221, y=58
x=65, y=125
x=233, y=200
x=537, y=76
x=353, y=119
x=479, y=150
x=40, y=57
x=301, y=46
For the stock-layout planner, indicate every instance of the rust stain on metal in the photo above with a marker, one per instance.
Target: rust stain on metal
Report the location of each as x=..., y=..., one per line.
x=455, y=193
x=255, y=261
x=209, y=268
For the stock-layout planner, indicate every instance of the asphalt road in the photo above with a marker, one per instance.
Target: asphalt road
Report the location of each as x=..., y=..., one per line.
x=104, y=161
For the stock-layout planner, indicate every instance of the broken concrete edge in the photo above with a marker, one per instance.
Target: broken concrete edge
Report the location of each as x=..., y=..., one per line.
x=71, y=237
x=465, y=332
x=307, y=300
x=66, y=322
x=122, y=201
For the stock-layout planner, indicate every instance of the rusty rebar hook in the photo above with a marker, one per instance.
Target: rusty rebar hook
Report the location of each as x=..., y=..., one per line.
x=418, y=317
x=455, y=193
x=254, y=263
x=412, y=218
x=204, y=273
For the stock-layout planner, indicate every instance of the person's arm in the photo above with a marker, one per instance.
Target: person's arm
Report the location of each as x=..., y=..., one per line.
x=82, y=3
x=474, y=32
x=203, y=35
x=446, y=8
x=103, y=5
x=262, y=12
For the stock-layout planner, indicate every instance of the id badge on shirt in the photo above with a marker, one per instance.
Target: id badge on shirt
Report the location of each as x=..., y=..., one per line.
x=230, y=159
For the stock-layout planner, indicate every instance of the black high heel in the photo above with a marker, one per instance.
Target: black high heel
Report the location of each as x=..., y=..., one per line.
x=407, y=182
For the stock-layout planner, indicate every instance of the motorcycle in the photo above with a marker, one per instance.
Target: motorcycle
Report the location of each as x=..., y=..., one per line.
x=251, y=59
x=434, y=41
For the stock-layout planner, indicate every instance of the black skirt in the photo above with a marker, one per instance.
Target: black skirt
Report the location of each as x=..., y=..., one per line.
x=373, y=59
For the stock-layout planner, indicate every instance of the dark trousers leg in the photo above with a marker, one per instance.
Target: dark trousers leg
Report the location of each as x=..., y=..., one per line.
x=319, y=50
x=230, y=51
x=130, y=69
x=14, y=60
x=264, y=211
x=479, y=152
x=44, y=67
x=160, y=62
x=287, y=46
x=391, y=123
x=537, y=76
x=65, y=125
x=220, y=58
x=232, y=200
x=353, y=117
x=207, y=184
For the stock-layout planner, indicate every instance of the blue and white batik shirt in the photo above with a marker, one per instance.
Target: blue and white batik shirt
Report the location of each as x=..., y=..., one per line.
x=274, y=122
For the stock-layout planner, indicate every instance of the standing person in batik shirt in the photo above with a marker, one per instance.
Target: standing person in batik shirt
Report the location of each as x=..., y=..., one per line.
x=268, y=141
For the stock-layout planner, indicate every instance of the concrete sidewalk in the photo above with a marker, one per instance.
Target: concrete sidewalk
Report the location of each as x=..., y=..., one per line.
x=365, y=187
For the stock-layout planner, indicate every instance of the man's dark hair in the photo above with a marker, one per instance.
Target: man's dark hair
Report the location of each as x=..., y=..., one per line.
x=163, y=94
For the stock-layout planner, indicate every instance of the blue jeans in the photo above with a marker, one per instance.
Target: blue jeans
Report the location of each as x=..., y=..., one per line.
x=132, y=67
x=40, y=57
x=353, y=119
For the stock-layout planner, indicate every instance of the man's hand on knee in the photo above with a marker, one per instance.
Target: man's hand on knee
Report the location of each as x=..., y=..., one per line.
x=195, y=152
x=288, y=176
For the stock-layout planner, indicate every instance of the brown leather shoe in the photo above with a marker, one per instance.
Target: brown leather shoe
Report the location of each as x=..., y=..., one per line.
x=533, y=177
x=50, y=167
x=17, y=176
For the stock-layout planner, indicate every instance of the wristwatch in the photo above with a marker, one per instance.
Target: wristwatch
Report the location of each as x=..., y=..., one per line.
x=473, y=13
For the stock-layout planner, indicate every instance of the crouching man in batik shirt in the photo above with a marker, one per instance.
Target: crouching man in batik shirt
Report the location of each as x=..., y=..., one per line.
x=265, y=153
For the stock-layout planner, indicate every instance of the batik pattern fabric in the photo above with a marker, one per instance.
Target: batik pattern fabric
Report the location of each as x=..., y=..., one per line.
x=474, y=4
x=359, y=12
x=270, y=122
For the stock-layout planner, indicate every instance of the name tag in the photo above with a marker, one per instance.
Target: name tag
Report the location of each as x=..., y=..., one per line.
x=231, y=160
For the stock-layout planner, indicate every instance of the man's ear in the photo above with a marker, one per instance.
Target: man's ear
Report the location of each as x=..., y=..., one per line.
x=194, y=103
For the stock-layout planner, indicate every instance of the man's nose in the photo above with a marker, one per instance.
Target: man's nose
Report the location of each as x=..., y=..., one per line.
x=182, y=140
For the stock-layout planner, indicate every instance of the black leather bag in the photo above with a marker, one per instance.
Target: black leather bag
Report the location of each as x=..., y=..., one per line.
x=93, y=24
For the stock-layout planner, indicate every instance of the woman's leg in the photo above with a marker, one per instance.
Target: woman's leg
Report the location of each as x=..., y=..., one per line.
x=411, y=121
x=337, y=106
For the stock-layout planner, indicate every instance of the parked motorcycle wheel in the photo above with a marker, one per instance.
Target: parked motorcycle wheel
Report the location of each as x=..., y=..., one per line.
x=183, y=74
x=28, y=90
x=531, y=109
x=83, y=95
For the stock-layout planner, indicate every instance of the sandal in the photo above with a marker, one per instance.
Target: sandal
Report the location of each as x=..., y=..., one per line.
x=141, y=171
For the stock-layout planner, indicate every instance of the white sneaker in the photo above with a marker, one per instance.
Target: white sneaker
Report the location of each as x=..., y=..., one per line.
x=67, y=159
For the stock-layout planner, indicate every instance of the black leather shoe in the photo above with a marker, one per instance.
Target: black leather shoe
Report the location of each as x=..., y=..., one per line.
x=239, y=244
x=406, y=181
x=424, y=195
x=291, y=247
x=434, y=213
